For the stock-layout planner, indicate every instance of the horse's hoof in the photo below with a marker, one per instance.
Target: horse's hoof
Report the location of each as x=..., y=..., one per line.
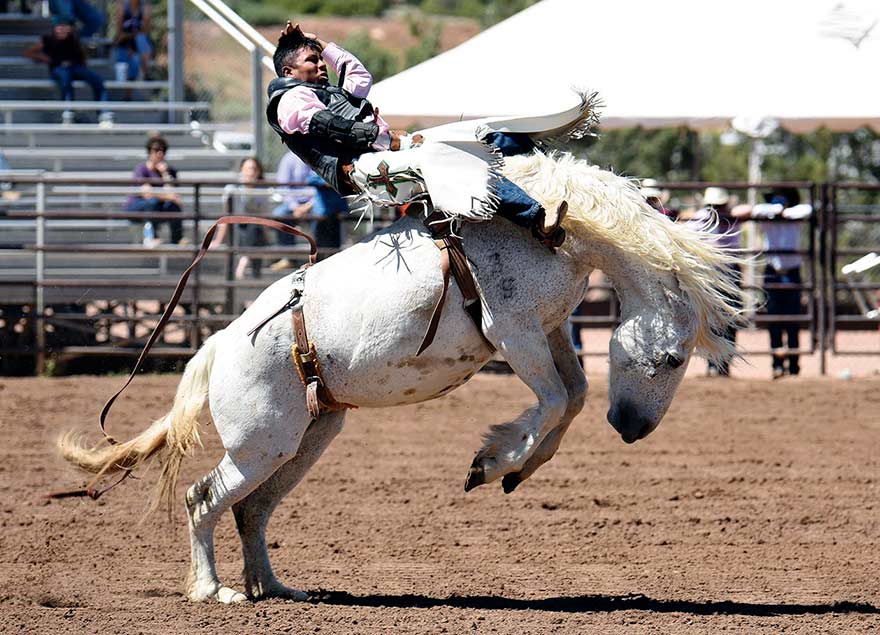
x=282, y=592
x=476, y=477
x=510, y=482
x=225, y=595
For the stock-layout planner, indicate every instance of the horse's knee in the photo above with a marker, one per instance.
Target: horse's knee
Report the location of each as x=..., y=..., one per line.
x=199, y=499
x=555, y=404
x=577, y=396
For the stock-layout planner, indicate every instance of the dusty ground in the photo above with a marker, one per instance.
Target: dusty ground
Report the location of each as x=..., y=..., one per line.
x=753, y=508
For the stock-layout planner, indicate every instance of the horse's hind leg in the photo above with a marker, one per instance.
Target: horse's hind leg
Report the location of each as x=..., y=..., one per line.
x=206, y=501
x=253, y=512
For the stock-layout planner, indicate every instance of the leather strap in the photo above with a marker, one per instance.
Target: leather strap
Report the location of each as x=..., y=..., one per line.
x=452, y=257
x=305, y=358
x=181, y=285
x=438, y=308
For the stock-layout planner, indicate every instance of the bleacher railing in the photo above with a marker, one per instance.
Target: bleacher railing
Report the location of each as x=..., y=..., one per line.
x=112, y=307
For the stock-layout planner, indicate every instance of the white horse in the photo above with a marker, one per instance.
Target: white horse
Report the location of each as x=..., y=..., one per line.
x=367, y=308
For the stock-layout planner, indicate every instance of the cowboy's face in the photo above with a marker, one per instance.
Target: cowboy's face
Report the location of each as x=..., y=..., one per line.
x=308, y=66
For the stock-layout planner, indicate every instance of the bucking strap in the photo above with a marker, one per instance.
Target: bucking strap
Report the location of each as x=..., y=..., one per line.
x=181, y=285
x=452, y=257
x=305, y=358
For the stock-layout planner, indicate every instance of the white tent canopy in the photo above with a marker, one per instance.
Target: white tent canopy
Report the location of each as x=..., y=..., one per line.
x=805, y=63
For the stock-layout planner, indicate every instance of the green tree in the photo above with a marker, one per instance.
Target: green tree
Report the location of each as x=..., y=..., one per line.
x=427, y=36
x=380, y=61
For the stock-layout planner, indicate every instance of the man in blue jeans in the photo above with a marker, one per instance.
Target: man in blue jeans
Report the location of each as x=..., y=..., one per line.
x=62, y=51
x=69, y=11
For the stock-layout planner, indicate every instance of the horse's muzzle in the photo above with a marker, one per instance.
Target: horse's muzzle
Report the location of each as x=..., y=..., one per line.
x=631, y=426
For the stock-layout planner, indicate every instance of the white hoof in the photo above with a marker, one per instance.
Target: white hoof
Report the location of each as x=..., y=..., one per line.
x=225, y=595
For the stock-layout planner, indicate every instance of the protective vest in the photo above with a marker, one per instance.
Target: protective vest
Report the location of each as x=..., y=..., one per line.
x=324, y=154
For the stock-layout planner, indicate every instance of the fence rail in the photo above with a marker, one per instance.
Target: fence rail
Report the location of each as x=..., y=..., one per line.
x=54, y=305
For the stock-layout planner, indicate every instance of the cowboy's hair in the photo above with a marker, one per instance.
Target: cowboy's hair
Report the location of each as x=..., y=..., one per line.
x=289, y=45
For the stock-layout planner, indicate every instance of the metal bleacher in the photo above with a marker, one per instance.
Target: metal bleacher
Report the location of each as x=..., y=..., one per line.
x=58, y=230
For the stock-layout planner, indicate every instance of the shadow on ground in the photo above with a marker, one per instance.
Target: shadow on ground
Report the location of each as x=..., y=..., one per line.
x=591, y=604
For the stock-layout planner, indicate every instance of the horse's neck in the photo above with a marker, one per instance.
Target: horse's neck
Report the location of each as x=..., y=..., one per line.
x=638, y=285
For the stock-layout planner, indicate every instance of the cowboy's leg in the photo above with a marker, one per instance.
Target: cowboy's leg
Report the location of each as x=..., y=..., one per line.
x=517, y=206
x=507, y=446
x=572, y=375
x=510, y=143
x=252, y=514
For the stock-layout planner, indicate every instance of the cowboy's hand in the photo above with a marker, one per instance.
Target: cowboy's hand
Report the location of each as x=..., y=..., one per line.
x=395, y=140
x=290, y=28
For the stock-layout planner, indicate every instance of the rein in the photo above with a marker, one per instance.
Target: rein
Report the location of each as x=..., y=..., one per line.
x=181, y=285
x=163, y=321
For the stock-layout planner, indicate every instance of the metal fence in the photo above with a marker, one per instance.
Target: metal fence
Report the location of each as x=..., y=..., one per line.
x=100, y=291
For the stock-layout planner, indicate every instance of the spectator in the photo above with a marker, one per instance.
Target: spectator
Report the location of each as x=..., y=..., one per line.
x=6, y=192
x=132, y=48
x=245, y=199
x=22, y=4
x=69, y=11
x=727, y=230
x=656, y=197
x=64, y=54
x=157, y=199
x=326, y=208
x=779, y=235
x=296, y=203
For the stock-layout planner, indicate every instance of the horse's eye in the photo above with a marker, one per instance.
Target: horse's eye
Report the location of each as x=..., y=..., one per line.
x=672, y=360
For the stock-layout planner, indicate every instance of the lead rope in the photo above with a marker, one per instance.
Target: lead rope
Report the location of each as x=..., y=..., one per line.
x=166, y=316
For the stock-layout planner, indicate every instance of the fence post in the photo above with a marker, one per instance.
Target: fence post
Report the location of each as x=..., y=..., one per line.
x=40, y=308
x=258, y=113
x=195, y=334
x=175, y=56
x=817, y=279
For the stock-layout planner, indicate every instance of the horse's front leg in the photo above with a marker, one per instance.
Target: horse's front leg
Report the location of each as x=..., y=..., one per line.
x=572, y=375
x=506, y=447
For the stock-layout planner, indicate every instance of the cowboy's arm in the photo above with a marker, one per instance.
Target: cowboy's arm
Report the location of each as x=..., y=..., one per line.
x=357, y=80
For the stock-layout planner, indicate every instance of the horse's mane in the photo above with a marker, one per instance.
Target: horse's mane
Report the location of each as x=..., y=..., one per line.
x=609, y=208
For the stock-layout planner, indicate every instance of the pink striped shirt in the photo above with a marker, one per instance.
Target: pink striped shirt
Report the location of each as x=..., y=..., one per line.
x=298, y=105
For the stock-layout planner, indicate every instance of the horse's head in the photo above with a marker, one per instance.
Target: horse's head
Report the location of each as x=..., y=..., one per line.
x=677, y=286
x=649, y=353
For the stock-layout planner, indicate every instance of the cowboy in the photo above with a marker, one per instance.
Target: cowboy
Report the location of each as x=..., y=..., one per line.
x=330, y=127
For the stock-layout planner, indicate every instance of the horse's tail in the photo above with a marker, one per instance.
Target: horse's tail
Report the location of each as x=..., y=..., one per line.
x=176, y=434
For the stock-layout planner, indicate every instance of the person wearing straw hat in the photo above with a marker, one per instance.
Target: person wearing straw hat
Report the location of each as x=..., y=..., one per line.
x=656, y=197
x=716, y=201
x=782, y=204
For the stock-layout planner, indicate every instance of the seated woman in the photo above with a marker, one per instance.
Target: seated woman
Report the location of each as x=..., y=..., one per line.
x=248, y=200
x=157, y=199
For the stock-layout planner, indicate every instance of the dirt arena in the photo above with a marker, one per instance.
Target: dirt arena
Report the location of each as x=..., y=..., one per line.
x=753, y=508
